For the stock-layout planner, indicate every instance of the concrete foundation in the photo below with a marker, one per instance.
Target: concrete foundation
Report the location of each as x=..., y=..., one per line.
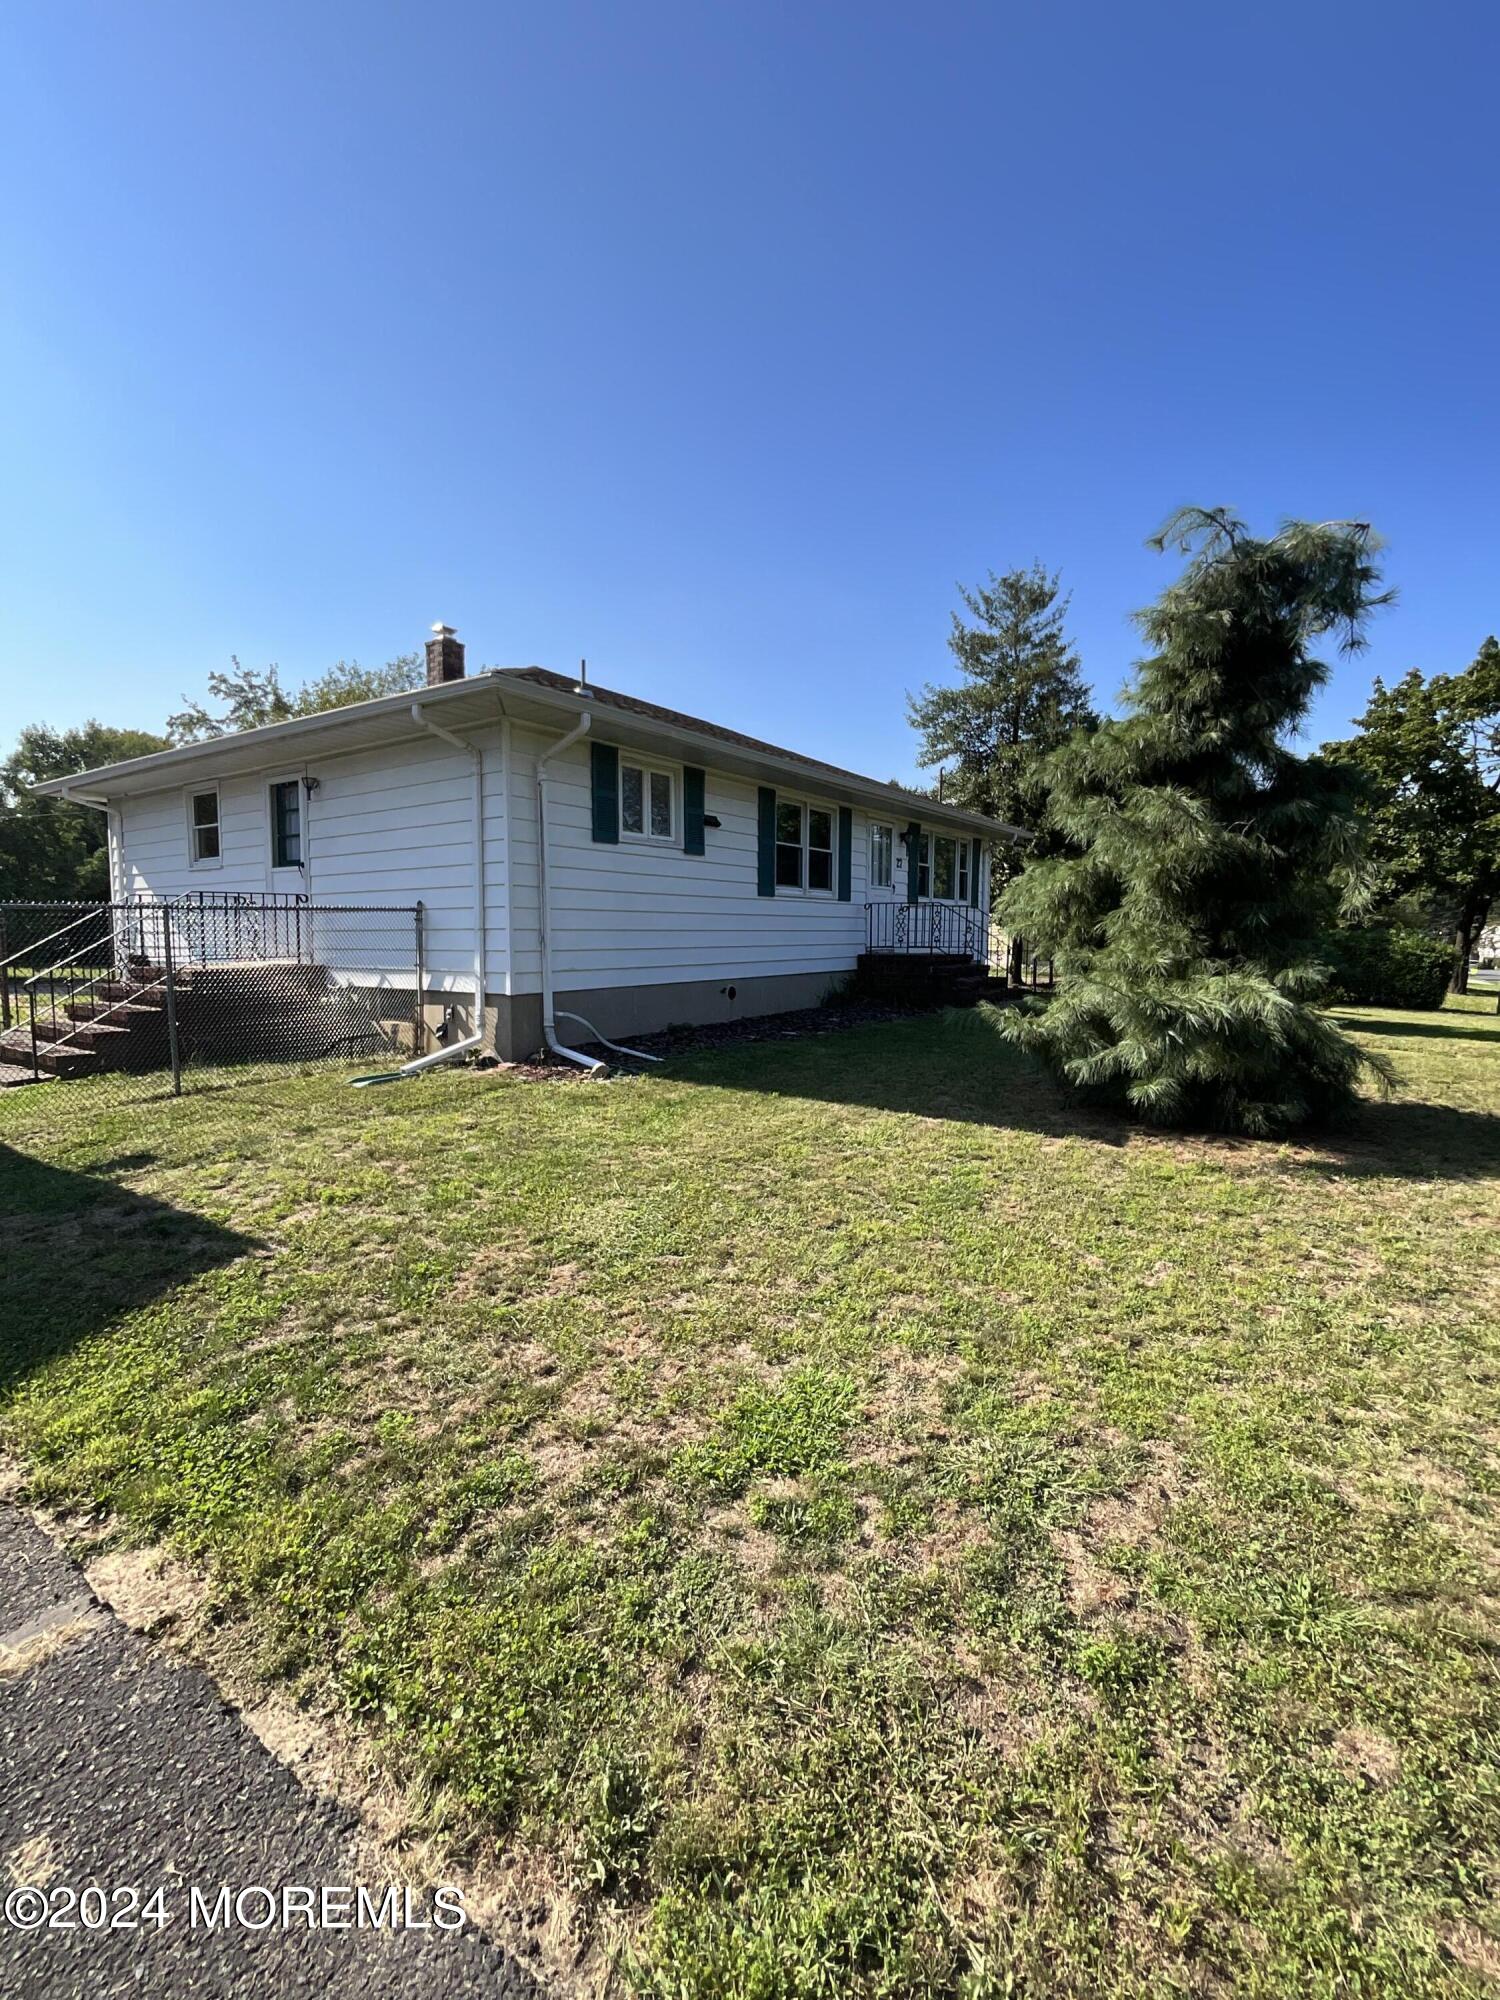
x=623, y=1011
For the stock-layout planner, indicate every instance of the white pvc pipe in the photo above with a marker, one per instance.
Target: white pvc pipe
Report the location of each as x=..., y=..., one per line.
x=579, y=730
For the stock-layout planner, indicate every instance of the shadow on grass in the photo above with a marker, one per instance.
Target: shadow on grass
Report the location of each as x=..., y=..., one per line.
x=928, y=1066
x=1409, y=1140
x=1438, y=1031
x=80, y=1252
x=938, y=1067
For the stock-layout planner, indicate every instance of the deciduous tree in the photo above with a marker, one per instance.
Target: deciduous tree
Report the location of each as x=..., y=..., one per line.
x=1430, y=748
x=50, y=849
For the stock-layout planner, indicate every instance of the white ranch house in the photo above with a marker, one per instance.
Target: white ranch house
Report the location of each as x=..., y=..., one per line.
x=581, y=856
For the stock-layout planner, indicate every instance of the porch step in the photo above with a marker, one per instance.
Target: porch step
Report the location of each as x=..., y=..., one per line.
x=122, y=1011
x=137, y=995
x=15, y=1048
x=936, y=980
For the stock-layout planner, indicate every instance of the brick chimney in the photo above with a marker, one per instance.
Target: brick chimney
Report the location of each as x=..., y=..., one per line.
x=445, y=656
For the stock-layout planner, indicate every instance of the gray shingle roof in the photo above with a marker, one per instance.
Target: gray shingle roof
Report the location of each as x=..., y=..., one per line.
x=607, y=698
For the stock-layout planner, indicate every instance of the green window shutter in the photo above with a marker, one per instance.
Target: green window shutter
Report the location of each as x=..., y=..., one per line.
x=975, y=850
x=692, y=809
x=913, y=858
x=765, y=847
x=604, y=771
x=846, y=853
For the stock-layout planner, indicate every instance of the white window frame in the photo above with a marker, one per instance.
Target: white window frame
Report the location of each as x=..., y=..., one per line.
x=805, y=809
x=931, y=866
x=285, y=867
x=924, y=867
x=195, y=860
x=878, y=827
x=648, y=772
x=961, y=881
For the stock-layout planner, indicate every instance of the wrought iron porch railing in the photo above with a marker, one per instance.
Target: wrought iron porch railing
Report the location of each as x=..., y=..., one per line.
x=930, y=930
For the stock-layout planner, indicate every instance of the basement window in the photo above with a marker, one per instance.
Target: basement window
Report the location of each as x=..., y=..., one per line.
x=646, y=811
x=203, y=827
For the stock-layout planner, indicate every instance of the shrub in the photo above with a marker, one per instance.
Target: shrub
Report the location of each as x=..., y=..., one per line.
x=1388, y=966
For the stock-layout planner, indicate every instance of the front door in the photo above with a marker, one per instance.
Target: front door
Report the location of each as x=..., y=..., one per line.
x=286, y=811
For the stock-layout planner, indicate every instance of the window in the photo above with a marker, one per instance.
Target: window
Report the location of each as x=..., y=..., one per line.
x=882, y=855
x=645, y=802
x=963, y=871
x=788, y=845
x=944, y=868
x=804, y=847
x=203, y=826
x=286, y=824
x=820, y=850
x=924, y=866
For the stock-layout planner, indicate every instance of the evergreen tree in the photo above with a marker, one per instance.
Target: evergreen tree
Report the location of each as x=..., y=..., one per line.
x=1021, y=695
x=1197, y=858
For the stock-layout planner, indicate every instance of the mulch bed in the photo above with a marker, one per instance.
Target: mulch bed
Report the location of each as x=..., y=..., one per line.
x=791, y=1027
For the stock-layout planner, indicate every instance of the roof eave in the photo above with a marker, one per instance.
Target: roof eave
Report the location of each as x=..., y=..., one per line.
x=713, y=750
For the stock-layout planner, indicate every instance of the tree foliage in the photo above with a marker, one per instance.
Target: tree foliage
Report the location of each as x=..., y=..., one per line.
x=250, y=697
x=1022, y=694
x=1198, y=860
x=1430, y=748
x=51, y=850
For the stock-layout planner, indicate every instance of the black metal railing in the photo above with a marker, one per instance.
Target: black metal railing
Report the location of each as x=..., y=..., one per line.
x=145, y=985
x=929, y=930
x=232, y=929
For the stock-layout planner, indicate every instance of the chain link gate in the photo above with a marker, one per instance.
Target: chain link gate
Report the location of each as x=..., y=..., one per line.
x=145, y=996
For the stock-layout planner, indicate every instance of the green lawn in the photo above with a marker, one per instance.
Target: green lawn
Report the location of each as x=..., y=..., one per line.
x=852, y=1524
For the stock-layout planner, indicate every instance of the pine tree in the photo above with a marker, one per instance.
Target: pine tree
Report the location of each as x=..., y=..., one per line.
x=1021, y=696
x=1197, y=859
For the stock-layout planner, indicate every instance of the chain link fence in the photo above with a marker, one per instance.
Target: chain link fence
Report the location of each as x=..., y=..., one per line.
x=147, y=997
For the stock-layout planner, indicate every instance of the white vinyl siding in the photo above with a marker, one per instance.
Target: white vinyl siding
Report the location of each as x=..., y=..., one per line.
x=646, y=913
x=394, y=825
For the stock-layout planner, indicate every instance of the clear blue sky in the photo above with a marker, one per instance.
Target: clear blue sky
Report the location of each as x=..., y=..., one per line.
x=718, y=341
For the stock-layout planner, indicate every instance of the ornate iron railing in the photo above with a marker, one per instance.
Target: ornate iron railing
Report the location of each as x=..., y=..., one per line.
x=929, y=930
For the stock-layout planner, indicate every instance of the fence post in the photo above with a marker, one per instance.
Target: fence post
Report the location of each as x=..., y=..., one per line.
x=166, y=958
x=419, y=1016
x=4, y=976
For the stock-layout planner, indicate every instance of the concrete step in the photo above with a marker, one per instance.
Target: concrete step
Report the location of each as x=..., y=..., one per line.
x=83, y=1034
x=139, y=996
x=121, y=1012
x=15, y=1047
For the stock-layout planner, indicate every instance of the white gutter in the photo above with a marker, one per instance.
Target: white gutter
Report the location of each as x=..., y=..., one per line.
x=544, y=921
x=476, y=1040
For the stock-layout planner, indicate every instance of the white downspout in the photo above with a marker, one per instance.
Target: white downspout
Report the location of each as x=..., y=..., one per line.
x=544, y=921
x=579, y=730
x=476, y=1040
